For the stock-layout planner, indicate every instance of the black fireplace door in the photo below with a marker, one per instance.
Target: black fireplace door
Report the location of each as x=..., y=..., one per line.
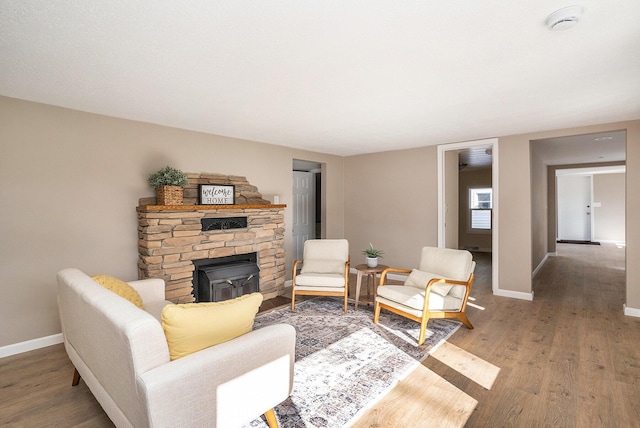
x=227, y=281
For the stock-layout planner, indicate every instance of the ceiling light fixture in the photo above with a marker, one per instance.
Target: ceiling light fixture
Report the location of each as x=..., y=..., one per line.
x=564, y=18
x=603, y=138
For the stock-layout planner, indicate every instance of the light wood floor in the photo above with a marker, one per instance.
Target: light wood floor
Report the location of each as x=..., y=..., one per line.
x=570, y=358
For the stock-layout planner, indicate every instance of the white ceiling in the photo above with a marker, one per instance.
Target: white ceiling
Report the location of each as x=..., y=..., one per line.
x=333, y=76
x=589, y=148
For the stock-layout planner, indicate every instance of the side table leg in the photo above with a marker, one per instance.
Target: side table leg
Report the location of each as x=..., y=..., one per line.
x=358, y=284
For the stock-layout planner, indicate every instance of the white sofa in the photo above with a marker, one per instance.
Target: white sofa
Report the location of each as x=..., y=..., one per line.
x=121, y=353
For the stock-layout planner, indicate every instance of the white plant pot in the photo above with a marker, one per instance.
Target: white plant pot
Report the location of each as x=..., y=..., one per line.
x=372, y=262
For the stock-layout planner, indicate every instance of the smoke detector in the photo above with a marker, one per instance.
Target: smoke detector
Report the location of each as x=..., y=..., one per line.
x=564, y=18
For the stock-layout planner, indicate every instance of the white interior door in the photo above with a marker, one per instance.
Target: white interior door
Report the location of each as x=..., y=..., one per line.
x=574, y=207
x=452, y=204
x=304, y=196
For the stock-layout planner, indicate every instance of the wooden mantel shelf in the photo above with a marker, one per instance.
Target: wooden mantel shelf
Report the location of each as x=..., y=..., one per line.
x=146, y=208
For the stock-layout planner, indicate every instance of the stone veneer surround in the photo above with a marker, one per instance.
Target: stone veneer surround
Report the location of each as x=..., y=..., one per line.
x=171, y=237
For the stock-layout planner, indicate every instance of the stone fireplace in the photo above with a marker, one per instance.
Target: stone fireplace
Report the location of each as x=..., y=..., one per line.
x=173, y=238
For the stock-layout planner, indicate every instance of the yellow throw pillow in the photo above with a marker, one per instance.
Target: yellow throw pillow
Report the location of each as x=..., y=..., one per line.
x=119, y=287
x=190, y=327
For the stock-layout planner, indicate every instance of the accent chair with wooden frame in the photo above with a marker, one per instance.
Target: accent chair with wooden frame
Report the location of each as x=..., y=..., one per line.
x=325, y=270
x=439, y=288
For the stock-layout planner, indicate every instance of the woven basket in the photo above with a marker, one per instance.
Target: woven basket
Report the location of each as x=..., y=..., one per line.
x=169, y=195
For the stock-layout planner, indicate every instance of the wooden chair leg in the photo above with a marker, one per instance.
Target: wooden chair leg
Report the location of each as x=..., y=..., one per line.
x=376, y=313
x=293, y=300
x=76, y=377
x=423, y=330
x=346, y=300
x=271, y=418
x=463, y=317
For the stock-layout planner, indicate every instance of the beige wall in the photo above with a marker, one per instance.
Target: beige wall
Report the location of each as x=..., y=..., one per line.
x=391, y=201
x=632, y=210
x=608, y=218
x=70, y=182
x=468, y=179
x=539, y=213
x=514, y=222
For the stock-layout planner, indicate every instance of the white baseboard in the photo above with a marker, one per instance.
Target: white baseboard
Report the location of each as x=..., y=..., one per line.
x=631, y=312
x=537, y=269
x=514, y=294
x=30, y=345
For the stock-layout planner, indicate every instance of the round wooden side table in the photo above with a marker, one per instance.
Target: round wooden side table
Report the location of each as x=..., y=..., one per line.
x=363, y=269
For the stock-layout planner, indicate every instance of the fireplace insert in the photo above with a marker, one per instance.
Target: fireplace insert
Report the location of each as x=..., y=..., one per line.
x=225, y=278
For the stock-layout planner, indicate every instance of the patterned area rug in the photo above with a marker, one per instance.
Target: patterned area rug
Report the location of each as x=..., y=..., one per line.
x=344, y=362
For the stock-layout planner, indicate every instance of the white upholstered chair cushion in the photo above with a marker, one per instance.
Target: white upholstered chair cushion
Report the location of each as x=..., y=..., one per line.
x=155, y=308
x=420, y=279
x=320, y=280
x=324, y=272
x=448, y=263
x=414, y=299
x=326, y=249
x=324, y=263
x=444, y=300
x=322, y=266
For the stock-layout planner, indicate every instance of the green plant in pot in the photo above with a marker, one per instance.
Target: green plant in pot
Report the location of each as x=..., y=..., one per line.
x=169, y=184
x=373, y=255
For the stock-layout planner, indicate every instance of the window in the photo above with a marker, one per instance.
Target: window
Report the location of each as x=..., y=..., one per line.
x=480, y=206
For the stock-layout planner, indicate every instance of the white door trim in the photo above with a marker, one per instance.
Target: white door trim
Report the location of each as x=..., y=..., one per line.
x=496, y=199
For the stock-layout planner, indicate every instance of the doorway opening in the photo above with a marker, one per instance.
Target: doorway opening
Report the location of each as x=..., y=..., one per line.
x=453, y=201
x=586, y=186
x=590, y=204
x=307, y=204
x=583, y=199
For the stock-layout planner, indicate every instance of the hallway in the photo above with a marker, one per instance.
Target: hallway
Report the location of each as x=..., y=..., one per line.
x=570, y=358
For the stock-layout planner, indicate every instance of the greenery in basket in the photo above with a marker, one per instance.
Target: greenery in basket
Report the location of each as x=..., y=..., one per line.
x=168, y=177
x=372, y=252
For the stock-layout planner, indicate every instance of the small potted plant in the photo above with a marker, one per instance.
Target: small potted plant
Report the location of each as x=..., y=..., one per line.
x=372, y=255
x=169, y=184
